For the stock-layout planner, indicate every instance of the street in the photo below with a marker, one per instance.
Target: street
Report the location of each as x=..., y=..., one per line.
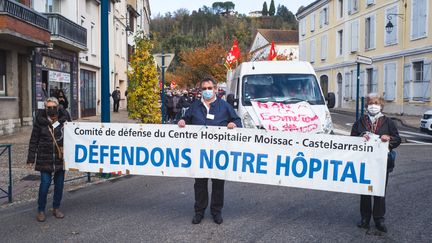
x=160, y=209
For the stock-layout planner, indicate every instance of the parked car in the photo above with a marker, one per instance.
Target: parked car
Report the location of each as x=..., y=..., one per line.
x=426, y=122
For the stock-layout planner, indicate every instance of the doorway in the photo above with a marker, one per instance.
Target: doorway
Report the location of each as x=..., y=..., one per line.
x=339, y=93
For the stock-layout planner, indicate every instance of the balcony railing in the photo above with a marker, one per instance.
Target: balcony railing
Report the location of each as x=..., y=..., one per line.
x=62, y=27
x=24, y=13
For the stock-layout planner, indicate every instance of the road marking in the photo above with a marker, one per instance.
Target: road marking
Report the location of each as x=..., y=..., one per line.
x=341, y=132
x=418, y=142
x=415, y=133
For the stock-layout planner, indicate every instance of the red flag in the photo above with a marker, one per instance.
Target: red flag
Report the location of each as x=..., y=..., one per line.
x=233, y=55
x=272, y=55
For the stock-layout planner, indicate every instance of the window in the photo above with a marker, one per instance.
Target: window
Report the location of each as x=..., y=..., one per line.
x=2, y=73
x=312, y=51
x=353, y=6
x=370, y=32
x=92, y=40
x=390, y=81
x=302, y=27
x=131, y=22
x=354, y=36
x=323, y=47
x=312, y=23
x=302, y=56
x=370, y=2
x=340, y=43
x=340, y=8
x=324, y=17
x=419, y=19
x=392, y=37
x=52, y=6
x=417, y=81
x=371, y=80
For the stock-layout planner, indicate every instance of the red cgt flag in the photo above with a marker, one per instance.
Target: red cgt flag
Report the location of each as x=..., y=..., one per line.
x=233, y=55
x=272, y=55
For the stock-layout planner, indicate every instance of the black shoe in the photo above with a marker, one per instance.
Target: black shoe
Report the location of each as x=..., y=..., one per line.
x=381, y=227
x=217, y=218
x=364, y=224
x=197, y=218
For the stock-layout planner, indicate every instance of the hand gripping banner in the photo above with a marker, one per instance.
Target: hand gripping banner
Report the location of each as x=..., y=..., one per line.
x=311, y=161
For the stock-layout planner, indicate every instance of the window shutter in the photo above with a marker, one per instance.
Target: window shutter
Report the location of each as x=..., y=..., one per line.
x=422, y=17
x=354, y=36
x=389, y=81
x=347, y=81
x=362, y=84
x=427, y=80
x=323, y=47
x=372, y=32
x=321, y=18
x=391, y=38
x=350, y=6
x=407, y=81
x=312, y=51
x=353, y=84
x=415, y=19
x=312, y=23
x=374, y=81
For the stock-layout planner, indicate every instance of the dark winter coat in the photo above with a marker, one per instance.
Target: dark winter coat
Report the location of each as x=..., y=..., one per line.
x=42, y=149
x=222, y=111
x=384, y=126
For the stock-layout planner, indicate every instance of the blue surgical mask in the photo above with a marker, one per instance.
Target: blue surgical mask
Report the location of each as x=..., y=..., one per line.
x=207, y=94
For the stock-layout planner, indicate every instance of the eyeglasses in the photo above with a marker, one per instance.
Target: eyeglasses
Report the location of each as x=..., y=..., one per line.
x=207, y=88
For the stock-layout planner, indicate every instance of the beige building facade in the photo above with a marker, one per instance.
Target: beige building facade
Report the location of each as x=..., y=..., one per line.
x=396, y=34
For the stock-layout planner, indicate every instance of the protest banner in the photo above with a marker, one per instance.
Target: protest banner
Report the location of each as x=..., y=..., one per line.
x=312, y=161
x=298, y=117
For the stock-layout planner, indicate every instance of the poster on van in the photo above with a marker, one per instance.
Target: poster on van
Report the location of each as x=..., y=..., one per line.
x=298, y=117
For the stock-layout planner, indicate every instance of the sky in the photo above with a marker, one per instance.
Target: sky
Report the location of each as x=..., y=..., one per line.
x=241, y=6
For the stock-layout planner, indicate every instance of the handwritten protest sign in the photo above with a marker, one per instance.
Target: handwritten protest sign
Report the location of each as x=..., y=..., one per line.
x=313, y=161
x=297, y=117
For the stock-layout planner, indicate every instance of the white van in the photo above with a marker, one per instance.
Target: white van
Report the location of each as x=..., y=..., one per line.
x=276, y=81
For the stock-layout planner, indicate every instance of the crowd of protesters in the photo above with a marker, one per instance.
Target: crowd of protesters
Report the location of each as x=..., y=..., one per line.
x=178, y=101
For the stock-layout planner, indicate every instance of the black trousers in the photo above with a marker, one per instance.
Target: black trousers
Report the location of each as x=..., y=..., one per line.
x=376, y=209
x=201, y=195
x=116, y=105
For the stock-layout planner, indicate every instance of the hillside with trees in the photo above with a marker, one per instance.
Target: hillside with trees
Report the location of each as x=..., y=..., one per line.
x=186, y=33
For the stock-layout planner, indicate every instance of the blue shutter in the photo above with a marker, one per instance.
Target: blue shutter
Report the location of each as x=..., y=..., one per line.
x=354, y=36
x=407, y=82
x=347, y=81
x=389, y=81
x=426, y=81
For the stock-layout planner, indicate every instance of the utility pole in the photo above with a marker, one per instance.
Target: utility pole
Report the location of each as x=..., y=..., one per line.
x=360, y=60
x=105, y=71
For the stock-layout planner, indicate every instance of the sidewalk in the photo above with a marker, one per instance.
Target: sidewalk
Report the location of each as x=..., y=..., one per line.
x=25, y=181
x=408, y=121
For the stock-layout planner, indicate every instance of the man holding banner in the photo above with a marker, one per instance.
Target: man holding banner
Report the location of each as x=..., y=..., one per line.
x=209, y=111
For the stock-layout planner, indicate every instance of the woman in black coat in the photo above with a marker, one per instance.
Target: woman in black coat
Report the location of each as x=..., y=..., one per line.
x=46, y=151
x=374, y=122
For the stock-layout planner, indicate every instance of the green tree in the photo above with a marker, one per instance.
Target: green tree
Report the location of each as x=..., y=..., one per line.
x=265, y=9
x=272, y=9
x=143, y=89
x=220, y=7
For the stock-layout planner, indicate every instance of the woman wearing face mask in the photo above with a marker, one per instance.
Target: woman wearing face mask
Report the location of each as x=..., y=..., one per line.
x=46, y=151
x=376, y=123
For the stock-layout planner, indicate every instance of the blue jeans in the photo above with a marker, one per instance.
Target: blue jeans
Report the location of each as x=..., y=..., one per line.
x=46, y=178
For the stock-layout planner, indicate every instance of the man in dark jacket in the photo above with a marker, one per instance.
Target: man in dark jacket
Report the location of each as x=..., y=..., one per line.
x=116, y=98
x=46, y=151
x=376, y=123
x=210, y=111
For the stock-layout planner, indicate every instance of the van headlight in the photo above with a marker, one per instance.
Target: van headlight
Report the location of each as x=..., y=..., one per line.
x=328, y=124
x=247, y=121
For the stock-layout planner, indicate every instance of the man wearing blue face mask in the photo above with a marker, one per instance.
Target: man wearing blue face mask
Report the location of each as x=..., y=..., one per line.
x=209, y=111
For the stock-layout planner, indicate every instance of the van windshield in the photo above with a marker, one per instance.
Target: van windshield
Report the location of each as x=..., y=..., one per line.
x=285, y=88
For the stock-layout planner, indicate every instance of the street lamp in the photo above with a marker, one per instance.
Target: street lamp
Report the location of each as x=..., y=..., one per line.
x=389, y=26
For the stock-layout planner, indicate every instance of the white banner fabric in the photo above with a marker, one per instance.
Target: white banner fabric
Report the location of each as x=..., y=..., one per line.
x=298, y=117
x=311, y=161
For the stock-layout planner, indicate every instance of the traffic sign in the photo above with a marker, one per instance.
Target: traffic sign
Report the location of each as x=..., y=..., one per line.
x=168, y=58
x=364, y=60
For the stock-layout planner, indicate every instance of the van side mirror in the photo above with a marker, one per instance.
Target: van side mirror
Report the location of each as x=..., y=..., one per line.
x=331, y=100
x=232, y=101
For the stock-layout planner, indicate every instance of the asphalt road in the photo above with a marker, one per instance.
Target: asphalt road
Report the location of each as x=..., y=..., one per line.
x=160, y=209
x=343, y=123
